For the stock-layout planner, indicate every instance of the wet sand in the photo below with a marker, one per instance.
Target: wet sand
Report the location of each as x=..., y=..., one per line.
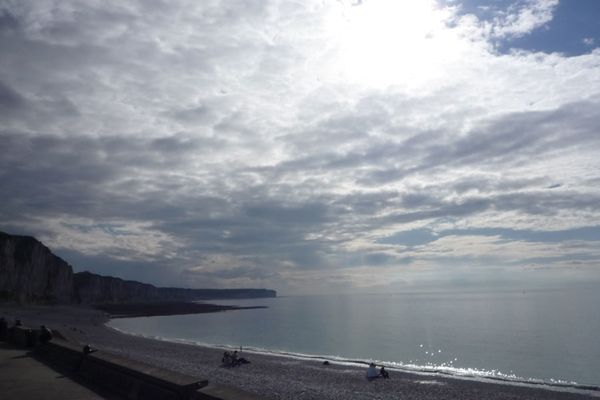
x=269, y=376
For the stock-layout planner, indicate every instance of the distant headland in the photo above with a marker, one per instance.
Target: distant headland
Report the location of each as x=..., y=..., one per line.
x=31, y=273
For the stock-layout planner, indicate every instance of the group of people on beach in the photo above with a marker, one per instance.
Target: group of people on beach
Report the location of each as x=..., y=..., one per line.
x=373, y=373
x=233, y=359
x=42, y=335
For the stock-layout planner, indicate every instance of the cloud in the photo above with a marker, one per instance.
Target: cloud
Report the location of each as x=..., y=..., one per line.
x=226, y=144
x=522, y=18
x=588, y=41
x=10, y=100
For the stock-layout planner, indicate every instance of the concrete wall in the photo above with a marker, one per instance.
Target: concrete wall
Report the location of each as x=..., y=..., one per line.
x=126, y=378
x=134, y=380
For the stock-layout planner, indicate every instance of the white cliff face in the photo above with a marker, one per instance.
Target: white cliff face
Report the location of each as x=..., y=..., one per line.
x=96, y=289
x=92, y=289
x=30, y=273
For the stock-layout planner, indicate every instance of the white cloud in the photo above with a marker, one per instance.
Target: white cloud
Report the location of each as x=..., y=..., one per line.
x=588, y=41
x=521, y=19
x=126, y=240
x=305, y=131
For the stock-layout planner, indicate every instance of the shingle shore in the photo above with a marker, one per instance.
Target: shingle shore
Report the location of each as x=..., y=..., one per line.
x=270, y=376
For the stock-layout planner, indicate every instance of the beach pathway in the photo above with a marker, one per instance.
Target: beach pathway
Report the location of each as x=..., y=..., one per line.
x=23, y=377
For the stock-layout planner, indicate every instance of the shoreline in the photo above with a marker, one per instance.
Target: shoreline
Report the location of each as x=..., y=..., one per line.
x=136, y=310
x=389, y=365
x=559, y=386
x=272, y=375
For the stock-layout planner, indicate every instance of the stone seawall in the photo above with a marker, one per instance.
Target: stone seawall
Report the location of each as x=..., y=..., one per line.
x=122, y=377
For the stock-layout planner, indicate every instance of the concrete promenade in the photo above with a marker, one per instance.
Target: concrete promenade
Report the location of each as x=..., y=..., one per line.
x=23, y=377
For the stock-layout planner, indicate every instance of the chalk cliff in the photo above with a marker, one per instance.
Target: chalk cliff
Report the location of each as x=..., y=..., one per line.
x=92, y=288
x=30, y=273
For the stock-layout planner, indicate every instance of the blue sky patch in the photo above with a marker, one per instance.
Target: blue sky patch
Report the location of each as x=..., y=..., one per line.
x=414, y=237
x=573, y=30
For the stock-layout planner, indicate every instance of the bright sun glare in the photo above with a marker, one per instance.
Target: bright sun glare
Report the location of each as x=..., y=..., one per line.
x=385, y=42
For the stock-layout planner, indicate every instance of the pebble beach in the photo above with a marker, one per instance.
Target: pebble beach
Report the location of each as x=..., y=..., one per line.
x=271, y=376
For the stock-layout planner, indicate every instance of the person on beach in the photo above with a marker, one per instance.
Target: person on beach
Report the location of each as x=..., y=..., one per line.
x=383, y=373
x=372, y=372
x=88, y=349
x=45, y=334
x=226, y=360
x=234, y=359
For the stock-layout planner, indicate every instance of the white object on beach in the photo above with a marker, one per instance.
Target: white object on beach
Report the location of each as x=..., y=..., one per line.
x=372, y=372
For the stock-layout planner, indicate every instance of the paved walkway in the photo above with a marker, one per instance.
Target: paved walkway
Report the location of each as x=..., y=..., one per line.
x=22, y=377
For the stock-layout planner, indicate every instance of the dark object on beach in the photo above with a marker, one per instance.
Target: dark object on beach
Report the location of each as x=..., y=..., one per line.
x=229, y=359
x=33, y=338
x=3, y=329
x=18, y=322
x=87, y=349
x=45, y=334
x=239, y=360
x=226, y=359
x=232, y=360
x=383, y=373
x=326, y=362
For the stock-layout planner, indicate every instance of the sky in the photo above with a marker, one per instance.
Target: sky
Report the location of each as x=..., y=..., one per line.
x=306, y=146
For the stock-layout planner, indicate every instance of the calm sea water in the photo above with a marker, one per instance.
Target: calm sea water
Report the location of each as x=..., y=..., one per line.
x=550, y=336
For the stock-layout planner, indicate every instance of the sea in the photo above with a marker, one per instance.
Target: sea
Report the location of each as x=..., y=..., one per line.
x=534, y=337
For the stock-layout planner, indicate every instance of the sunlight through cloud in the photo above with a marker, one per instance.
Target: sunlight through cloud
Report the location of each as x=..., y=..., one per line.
x=390, y=42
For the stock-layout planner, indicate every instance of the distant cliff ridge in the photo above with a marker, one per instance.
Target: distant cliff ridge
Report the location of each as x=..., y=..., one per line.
x=92, y=288
x=30, y=273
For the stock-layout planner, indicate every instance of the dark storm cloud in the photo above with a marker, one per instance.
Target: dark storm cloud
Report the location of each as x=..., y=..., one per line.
x=10, y=100
x=8, y=22
x=91, y=176
x=258, y=232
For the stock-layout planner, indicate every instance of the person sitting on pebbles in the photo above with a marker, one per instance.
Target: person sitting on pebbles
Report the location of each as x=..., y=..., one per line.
x=233, y=359
x=226, y=360
x=237, y=360
x=383, y=373
x=372, y=372
x=45, y=334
